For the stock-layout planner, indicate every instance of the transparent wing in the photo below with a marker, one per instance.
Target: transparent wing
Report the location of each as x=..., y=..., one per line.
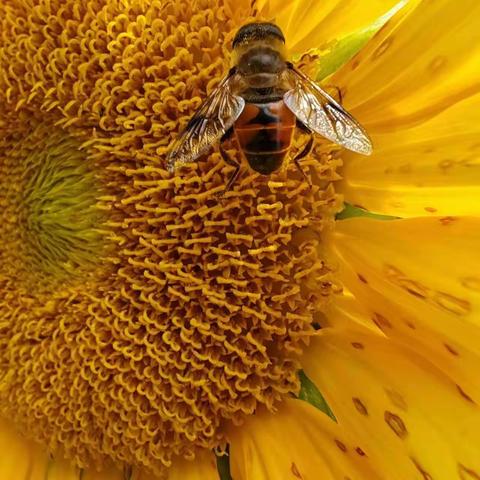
x=322, y=114
x=213, y=118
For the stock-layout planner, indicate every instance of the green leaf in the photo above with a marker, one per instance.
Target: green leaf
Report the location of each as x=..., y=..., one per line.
x=223, y=467
x=338, y=52
x=349, y=211
x=311, y=394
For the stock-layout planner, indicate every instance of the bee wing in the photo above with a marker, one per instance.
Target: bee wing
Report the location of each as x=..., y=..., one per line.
x=214, y=117
x=322, y=114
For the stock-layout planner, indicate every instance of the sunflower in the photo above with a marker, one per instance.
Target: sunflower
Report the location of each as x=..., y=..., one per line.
x=151, y=331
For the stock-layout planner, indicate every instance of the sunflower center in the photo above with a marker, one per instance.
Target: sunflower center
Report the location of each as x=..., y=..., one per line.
x=49, y=216
x=208, y=303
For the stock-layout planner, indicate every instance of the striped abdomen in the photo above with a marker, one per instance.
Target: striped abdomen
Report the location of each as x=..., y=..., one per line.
x=264, y=132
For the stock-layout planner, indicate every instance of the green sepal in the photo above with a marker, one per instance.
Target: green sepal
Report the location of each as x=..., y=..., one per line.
x=223, y=467
x=311, y=394
x=350, y=211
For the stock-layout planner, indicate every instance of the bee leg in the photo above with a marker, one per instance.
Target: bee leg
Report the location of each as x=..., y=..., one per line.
x=230, y=161
x=306, y=150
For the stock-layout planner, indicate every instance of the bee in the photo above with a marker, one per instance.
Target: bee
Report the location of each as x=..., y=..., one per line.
x=261, y=101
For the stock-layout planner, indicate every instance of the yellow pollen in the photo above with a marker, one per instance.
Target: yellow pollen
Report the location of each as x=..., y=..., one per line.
x=174, y=311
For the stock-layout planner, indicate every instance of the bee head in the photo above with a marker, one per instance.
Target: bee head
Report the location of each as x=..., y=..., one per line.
x=259, y=51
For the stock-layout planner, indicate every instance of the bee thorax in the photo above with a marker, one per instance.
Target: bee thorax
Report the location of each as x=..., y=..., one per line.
x=261, y=60
x=261, y=80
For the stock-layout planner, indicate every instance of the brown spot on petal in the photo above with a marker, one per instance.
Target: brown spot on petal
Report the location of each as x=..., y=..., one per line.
x=355, y=63
x=341, y=445
x=405, y=168
x=380, y=321
x=391, y=272
x=360, y=452
x=424, y=473
x=455, y=305
x=360, y=406
x=437, y=64
x=470, y=161
x=396, y=424
x=430, y=209
x=362, y=278
x=295, y=471
x=450, y=349
x=397, y=399
x=471, y=283
x=383, y=47
x=464, y=395
x=445, y=164
x=358, y=345
x=445, y=221
x=410, y=325
x=414, y=288
x=467, y=473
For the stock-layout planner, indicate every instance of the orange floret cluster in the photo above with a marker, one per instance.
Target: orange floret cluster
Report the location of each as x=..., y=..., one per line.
x=141, y=312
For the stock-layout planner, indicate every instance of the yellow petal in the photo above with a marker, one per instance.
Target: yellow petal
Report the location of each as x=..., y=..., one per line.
x=345, y=310
x=61, y=469
x=335, y=54
x=429, y=169
x=311, y=24
x=412, y=420
x=417, y=66
x=64, y=470
x=299, y=442
x=418, y=280
x=203, y=467
x=414, y=88
x=20, y=459
x=110, y=473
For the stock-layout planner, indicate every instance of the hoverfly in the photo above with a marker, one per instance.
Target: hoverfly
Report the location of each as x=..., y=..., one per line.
x=261, y=101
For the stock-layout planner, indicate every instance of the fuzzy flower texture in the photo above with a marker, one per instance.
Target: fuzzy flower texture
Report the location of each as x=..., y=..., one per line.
x=152, y=330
